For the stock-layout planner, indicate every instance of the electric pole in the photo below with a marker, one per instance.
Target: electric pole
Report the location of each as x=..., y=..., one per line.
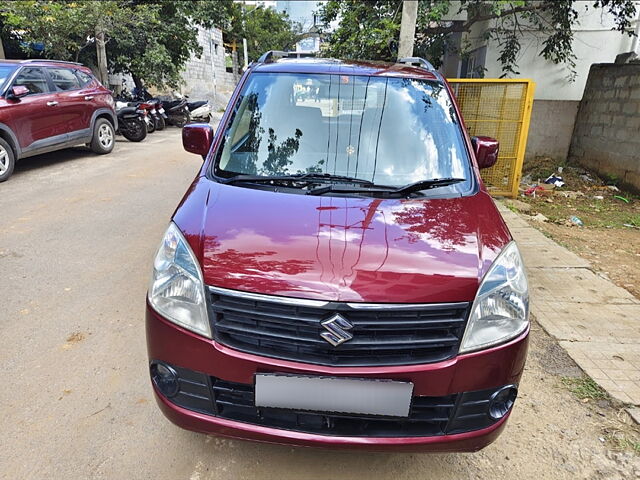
x=408, y=28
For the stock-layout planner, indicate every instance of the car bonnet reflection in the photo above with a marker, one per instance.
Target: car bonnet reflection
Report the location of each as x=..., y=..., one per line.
x=346, y=249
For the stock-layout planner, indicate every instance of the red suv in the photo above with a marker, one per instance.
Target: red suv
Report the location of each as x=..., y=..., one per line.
x=337, y=274
x=49, y=105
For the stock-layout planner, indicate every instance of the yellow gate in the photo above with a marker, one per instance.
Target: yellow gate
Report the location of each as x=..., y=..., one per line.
x=498, y=108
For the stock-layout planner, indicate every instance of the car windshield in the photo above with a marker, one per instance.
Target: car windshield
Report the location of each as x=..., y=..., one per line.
x=5, y=74
x=390, y=131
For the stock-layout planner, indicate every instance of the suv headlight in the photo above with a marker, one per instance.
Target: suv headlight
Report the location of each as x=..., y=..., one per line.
x=177, y=288
x=500, y=311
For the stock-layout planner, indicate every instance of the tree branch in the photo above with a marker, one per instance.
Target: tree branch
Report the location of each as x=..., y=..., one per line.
x=478, y=17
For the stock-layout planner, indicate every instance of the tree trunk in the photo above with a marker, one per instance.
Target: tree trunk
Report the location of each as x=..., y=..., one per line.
x=1, y=50
x=137, y=81
x=103, y=74
x=408, y=28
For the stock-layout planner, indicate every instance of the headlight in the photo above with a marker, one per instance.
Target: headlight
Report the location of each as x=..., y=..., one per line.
x=177, y=289
x=500, y=311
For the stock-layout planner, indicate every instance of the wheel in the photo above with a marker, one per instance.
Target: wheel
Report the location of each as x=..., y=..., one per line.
x=160, y=123
x=7, y=160
x=151, y=125
x=103, y=137
x=182, y=120
x=135, y=130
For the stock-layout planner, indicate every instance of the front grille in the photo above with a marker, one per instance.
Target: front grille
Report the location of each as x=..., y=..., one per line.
x=429, y=416
x=290, y=329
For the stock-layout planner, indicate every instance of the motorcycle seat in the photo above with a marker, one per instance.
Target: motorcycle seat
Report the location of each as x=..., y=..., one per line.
x=126, y=110
x=194, y=105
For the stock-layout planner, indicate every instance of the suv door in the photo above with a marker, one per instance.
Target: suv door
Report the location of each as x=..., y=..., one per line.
x=74, y=106
x=35, y=117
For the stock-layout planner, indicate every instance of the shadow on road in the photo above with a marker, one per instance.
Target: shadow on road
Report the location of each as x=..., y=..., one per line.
x=59, y=157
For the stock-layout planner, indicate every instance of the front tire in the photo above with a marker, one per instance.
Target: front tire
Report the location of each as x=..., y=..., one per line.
x=151, y=126
x=182, y=120
x=7, y=160
x=135, y=131
x=104, y=137
x=160, y=123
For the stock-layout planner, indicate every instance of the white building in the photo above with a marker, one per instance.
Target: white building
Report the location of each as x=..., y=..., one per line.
x=305, y=13
x=556, y=96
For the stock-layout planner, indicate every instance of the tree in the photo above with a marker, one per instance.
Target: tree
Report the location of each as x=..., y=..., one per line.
x=158, y=51
x=370, y=29
x=148, y=39
x=67, y=28
x=266, y=29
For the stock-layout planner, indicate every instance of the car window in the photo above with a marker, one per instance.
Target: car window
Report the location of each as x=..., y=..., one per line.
x=84, y=78
x=392, y=131
x=5, y=73
x=34, y=79
x=64, y=79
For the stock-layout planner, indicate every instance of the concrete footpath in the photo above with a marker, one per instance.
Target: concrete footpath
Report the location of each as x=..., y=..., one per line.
x=595, y=321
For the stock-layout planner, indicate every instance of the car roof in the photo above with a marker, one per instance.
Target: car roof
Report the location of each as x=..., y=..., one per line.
x=43, y=63
x=344, y=67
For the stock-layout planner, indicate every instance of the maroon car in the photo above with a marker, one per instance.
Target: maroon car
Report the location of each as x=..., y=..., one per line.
x=48, y=105
x=337, y=274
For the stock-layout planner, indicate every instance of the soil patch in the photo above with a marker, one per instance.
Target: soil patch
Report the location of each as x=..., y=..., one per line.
x=609, y=237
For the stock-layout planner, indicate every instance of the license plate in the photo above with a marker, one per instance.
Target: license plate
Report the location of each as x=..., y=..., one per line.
x=161, y=110
x=334, y=394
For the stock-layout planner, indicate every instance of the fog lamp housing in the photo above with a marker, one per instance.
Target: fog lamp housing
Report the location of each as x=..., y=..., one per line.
x=502, y=401
x=165, y=379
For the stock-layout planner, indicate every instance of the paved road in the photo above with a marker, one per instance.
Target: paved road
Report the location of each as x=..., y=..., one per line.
x=77, y=235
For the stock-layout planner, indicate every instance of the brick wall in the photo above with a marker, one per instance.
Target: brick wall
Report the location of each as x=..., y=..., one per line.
x=606, y=136
x=551, y=128
x=206, y=78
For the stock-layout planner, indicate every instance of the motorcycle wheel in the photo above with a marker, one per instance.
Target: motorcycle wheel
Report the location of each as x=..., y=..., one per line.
x=160, y=123
x=135, y=130
x=181, y=120
x=151, y=126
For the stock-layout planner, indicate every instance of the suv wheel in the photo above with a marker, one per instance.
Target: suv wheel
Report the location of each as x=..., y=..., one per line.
x=7, y=160
x=103, y=137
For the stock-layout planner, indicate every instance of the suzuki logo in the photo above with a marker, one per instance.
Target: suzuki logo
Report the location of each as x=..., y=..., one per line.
x=336, y=327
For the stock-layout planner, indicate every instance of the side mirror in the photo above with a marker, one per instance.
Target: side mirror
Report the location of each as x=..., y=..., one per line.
x=486, y=149
x=18, y=91
x=197, y=138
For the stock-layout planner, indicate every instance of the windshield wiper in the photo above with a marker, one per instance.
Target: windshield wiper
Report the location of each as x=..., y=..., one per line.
x=387, y=190
x=296, y=177
x=428, y=184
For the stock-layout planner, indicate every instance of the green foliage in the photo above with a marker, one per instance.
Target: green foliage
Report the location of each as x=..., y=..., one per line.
x=367, y=30
x=370, y=29
x=68, y=28
x=150, y=39
x=157, y=50
x=265, y=29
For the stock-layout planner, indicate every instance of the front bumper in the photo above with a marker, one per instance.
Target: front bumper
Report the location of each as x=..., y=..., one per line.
x=479, y=371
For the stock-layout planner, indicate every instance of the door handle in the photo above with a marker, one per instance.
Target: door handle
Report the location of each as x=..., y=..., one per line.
x=88, y=97
x=52, y=104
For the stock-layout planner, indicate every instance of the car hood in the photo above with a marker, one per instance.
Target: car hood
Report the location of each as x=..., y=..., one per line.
x=341, y=248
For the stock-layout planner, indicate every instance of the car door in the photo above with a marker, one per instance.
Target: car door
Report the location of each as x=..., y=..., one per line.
x=36, y=121
x=73, y=104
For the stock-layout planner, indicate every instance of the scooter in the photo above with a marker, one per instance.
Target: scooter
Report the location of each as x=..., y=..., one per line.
x=200, y=111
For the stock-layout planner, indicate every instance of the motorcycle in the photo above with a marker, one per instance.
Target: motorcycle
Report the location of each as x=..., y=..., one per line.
x=177, y=112
x=161, y=116
x=200, y=111
x=131, y=122
x=152, y=115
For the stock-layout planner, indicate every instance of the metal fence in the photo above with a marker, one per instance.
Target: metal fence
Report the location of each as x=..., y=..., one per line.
x=498, y=108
